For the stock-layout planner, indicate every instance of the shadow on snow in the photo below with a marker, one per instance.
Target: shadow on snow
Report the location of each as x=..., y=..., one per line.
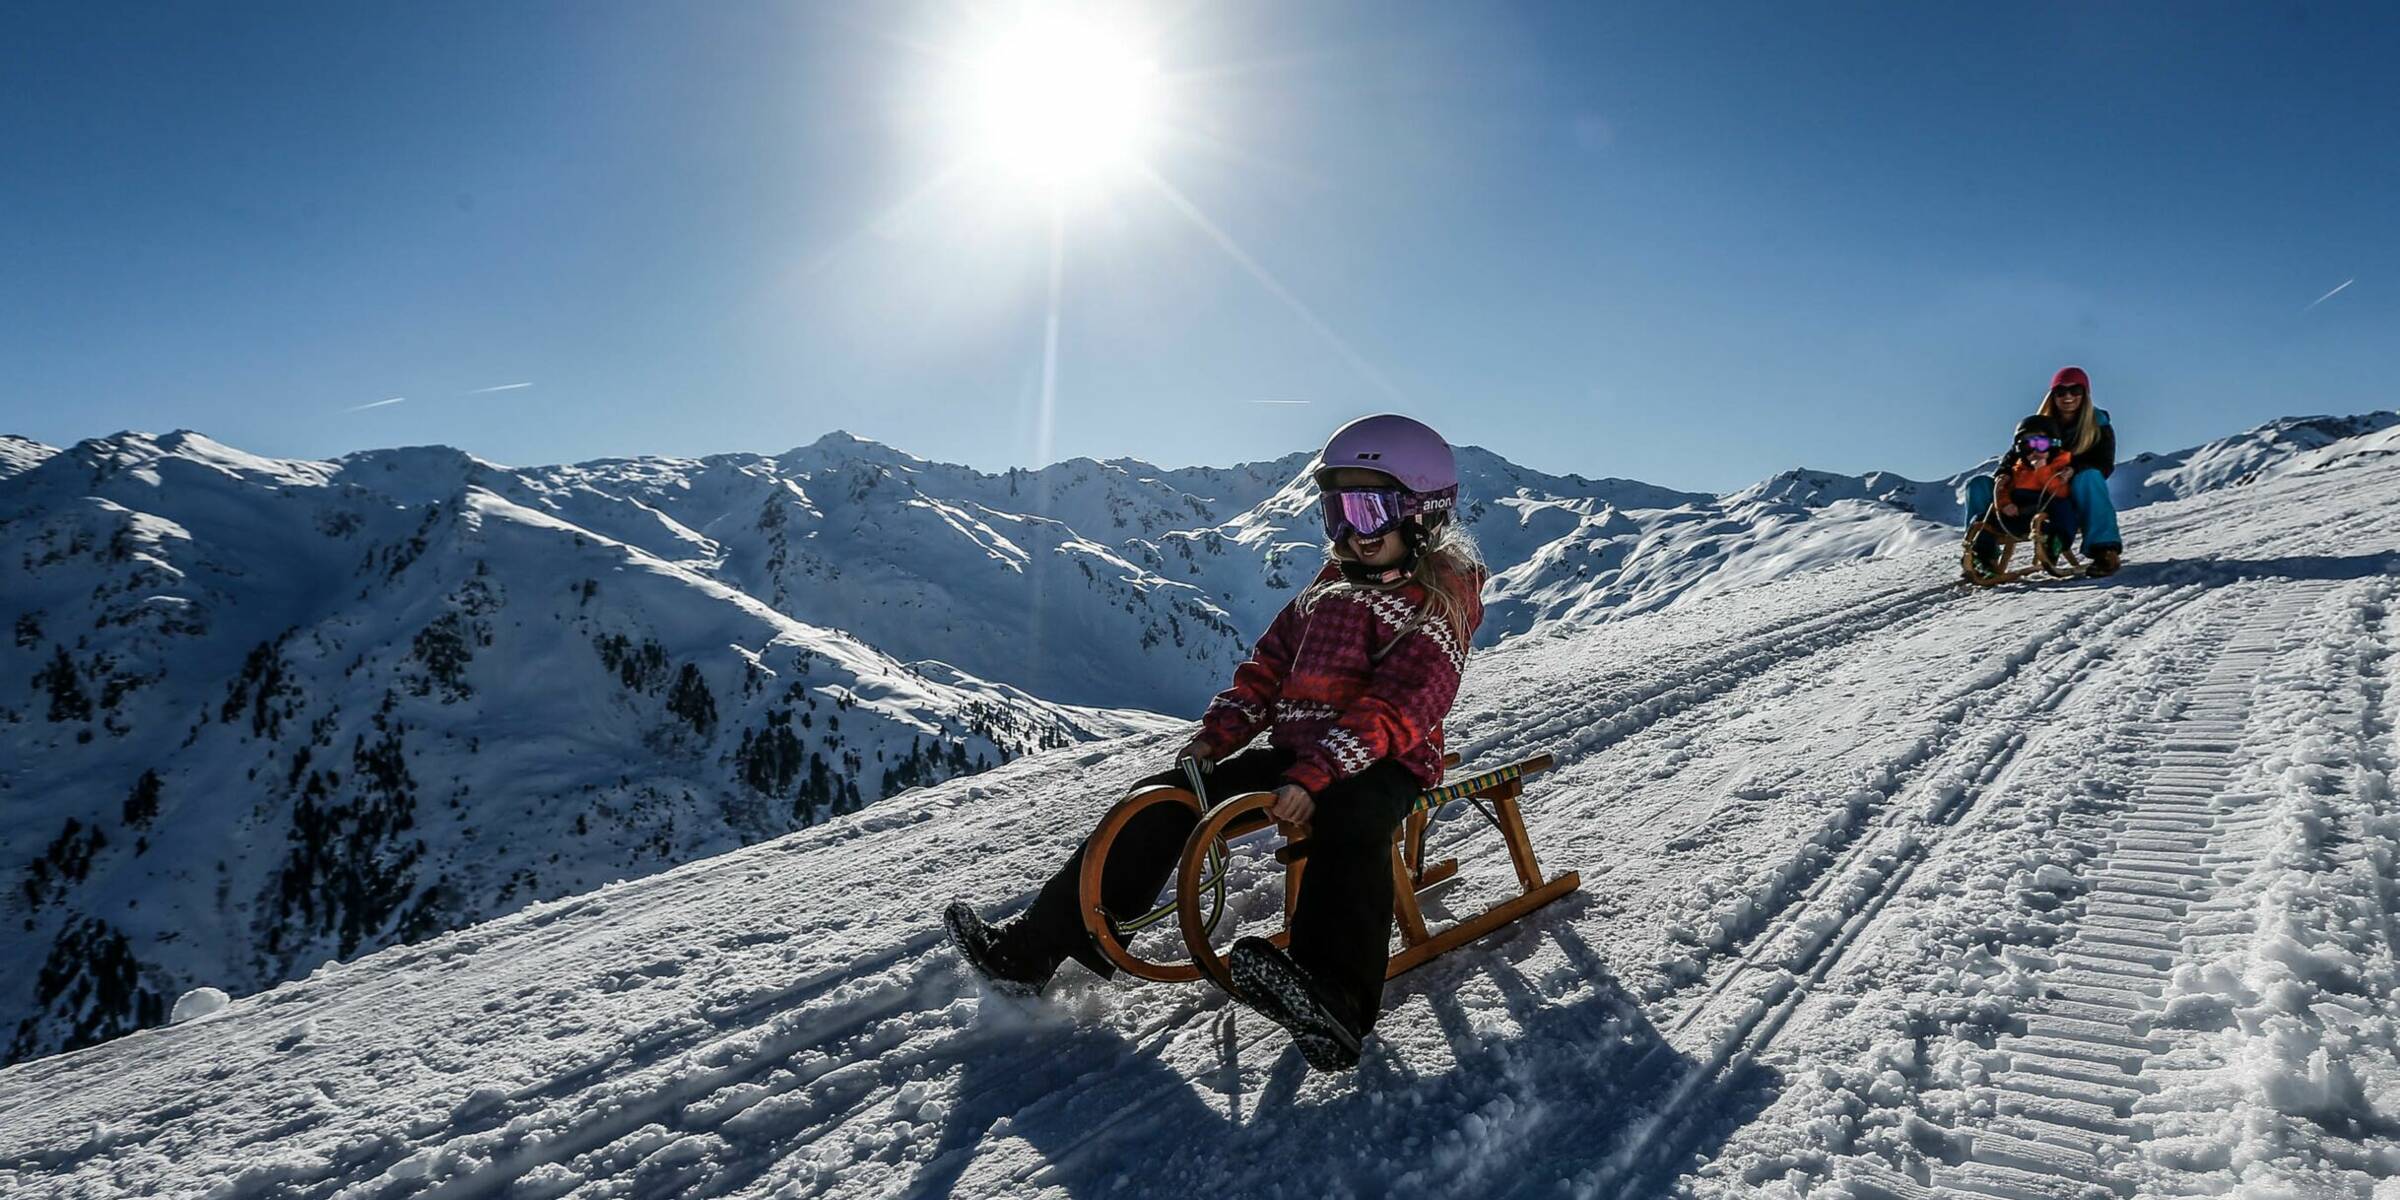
x=1549, y=1102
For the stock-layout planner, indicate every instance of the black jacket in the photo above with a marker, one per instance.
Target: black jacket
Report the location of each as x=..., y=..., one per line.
x=2102, y=457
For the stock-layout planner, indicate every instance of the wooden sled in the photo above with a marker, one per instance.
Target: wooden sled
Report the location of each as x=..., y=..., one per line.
x=1200, y=876
x=2065, y=566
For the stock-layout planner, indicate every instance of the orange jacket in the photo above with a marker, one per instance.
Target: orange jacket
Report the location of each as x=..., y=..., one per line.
x=2052, y=476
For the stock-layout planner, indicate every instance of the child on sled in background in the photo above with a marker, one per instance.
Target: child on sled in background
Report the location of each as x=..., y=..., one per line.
x=2033, y=477
x=1350, y=683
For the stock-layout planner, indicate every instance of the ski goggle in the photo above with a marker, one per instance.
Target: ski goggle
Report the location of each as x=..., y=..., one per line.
x=2037, y=443
x=2067, y=389
x=1367, y=512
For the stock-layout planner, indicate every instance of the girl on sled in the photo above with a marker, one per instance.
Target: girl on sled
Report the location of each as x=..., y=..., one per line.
x=1350, y=683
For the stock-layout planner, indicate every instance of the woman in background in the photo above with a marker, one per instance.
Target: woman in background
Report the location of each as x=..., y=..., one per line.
x=2092, y=443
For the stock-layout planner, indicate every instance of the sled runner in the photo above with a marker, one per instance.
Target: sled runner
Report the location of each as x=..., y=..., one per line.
x=2003, y=568
x=1200, y=900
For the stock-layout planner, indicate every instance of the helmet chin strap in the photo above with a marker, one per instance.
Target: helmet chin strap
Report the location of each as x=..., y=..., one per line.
x=1413, y=536
x=1358, y=572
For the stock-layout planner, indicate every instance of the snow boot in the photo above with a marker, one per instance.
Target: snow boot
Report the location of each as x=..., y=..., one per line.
x=2056, y=547
x=995, y=954
x=2105, y=560
x=1268, y=980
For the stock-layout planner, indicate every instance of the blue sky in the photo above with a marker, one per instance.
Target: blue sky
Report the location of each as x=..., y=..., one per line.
x=1689, y=243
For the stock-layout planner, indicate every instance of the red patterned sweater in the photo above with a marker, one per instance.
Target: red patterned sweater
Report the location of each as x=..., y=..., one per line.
x=1315, y=682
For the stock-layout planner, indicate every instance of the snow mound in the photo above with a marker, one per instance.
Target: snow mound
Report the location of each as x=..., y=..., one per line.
x=198, y=1003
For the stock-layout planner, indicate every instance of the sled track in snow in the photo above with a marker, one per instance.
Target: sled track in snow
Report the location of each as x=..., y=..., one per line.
x=696, y=1072
x=1600, y=721
x=1786, y=907
x=1627, y=715
x=1785, y=912
x=1814, y=932
x=1696, y=686
x=729, y=1060
x=2063, y=1122
x=715, y=1059
x=1592, y=719
x=1961, y=701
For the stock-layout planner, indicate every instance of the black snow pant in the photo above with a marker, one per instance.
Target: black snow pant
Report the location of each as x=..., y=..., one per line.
x=1342, y=927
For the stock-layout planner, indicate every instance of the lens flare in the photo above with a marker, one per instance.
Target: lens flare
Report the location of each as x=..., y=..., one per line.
x=1063, y=103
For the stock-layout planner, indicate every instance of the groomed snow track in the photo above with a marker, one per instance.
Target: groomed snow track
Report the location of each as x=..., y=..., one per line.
x=1891, y=890
x=2059, y=1111
x=1751, y=1001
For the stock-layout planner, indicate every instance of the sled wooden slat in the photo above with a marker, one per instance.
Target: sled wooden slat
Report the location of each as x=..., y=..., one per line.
x=1410, y=918
x=1492, y=919
x=1503, y=788
x=1520, y=847
x=1496, y=784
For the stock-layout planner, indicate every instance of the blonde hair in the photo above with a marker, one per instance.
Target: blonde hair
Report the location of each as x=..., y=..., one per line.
x=2087, y=421
x=1448, y=562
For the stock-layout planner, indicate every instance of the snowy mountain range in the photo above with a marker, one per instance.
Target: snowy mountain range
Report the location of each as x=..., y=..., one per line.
x=1890, y=889
x=266, y=713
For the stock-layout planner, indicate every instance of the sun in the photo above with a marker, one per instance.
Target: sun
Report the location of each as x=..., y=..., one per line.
x=1061, y=102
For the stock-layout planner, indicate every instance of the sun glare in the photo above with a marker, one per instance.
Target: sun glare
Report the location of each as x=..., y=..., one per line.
x=1063, y=104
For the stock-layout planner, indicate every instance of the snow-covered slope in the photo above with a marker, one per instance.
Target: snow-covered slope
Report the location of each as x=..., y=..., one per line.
x=160, y=588
x=273, y=712
x=2260, y=453
x=1891, y=890
x=1618, y=563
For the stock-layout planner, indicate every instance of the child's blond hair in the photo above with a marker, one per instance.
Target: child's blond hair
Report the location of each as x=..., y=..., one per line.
x=1448, y=563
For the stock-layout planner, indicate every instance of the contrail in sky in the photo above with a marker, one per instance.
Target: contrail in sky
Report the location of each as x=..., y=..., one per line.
x=506, y=387
x=377, y=404
x=2328, y=296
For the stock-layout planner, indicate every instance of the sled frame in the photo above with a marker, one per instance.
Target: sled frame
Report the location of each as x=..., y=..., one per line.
x=1202, y=867
x=2064, y=566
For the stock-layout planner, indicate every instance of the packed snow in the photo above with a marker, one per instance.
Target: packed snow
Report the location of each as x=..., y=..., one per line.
x=329, y=685
x=1891, y=889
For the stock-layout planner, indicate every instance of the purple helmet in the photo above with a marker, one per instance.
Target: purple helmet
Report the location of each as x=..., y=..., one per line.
x=1407, y=450
x=1402, y=447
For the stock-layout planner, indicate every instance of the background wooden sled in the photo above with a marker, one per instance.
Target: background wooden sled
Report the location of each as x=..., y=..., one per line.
x=1200, y=877
x=2065, y=566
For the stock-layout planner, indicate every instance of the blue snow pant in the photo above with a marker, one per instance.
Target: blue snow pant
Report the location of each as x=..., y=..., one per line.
x=2097, y=513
